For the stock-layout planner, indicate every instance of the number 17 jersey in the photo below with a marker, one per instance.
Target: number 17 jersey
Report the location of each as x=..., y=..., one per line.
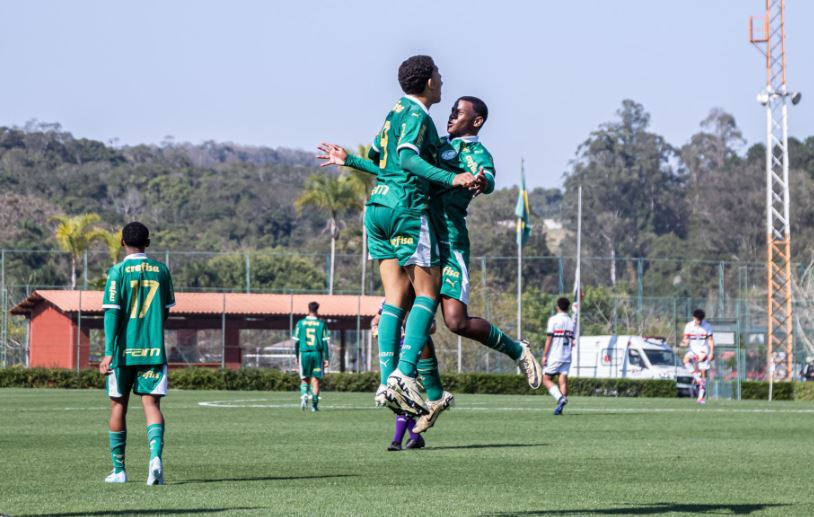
x=140, y=288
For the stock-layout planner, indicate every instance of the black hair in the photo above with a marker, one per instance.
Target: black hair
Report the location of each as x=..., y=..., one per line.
x=699, y=314
x=477, y=105
x=563, y=303
x=136, y=235
x=414, y=73
x=313, y=307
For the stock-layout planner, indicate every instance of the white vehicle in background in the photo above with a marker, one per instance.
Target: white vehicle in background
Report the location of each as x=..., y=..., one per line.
x=629, y=357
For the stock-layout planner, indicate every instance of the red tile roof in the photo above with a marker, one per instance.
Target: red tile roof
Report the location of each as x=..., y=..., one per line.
x=238, y=304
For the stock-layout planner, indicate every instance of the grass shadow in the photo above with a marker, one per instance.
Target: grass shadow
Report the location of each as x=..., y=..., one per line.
x=485, y=446
x=262, y=478
x=655, y=509
x=150, y=511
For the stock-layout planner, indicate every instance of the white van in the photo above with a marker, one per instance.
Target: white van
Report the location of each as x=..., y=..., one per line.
x=629, y=357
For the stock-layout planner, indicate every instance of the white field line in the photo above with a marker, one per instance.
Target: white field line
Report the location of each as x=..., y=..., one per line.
x=265, y=403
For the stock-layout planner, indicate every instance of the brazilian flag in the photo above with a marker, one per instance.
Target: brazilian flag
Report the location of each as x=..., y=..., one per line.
x=521, y=210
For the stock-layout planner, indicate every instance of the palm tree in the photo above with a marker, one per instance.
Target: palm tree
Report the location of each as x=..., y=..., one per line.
x=362, y=183
x=112, y=241
x=333, y=194
x=73, y=234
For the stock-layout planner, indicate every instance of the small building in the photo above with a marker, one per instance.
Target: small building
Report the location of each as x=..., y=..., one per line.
x=60, y=322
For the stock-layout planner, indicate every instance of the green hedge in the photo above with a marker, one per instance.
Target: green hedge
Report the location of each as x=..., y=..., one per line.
x=759, y=390
x=253, y=379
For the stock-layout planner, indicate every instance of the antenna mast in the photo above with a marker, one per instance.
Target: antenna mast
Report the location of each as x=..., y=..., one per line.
x=767, y=33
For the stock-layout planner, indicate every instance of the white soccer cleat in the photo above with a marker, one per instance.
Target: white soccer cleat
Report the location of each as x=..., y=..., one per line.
x=155, y=476
x=116, y=477
x=380, y=398
x=436, y=408
x=529, y=365
x=407, y=389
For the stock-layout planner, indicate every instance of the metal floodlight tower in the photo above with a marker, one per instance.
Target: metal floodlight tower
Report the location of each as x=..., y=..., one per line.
x=767, y=33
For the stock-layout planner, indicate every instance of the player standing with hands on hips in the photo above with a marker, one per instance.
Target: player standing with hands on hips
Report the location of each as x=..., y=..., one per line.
x=557, y=353
x=137, y=299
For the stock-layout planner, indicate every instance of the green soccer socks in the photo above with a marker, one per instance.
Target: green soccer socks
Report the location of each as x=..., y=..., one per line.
x=389, y=337
x=415, y=333
x=155, y=437
x=502, y=343
x=117, y=444
x=430, y=378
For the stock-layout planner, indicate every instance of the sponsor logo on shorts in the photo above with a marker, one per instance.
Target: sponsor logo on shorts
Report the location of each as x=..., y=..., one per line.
x=142, y=352
x=149, y=374
x=448, y=271
x=399, y=240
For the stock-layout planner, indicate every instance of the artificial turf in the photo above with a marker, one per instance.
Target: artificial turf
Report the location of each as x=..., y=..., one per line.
x=256, y=453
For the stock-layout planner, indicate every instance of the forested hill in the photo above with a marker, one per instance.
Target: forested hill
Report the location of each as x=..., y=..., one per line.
x=210, y=196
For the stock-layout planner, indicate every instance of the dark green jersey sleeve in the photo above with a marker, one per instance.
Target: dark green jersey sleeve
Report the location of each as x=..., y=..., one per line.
x=169, y=292
x=296, y=338
x=112, y=304
x=412, y=162
x=326, y=343
x=360, y=164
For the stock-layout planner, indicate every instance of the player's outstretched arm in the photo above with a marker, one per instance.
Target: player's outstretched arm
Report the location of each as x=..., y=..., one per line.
x=412, y=162
x=546, y=348
x=336, y=155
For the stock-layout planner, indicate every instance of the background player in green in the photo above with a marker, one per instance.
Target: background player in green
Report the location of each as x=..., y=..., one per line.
x=311, y=346
x=137, y=298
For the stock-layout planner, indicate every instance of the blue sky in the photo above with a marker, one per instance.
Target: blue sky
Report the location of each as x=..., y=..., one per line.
x=297, y=72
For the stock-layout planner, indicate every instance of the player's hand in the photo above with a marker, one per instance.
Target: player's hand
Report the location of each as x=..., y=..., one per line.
x=464, y=179
x=325, y=365
x=104, y=365
x=332, y=154
x=480, y=184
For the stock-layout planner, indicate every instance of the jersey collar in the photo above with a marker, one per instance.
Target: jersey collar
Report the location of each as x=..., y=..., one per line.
x=414, y=99
x=468, y=139
x=136, y=256
x=311, y=318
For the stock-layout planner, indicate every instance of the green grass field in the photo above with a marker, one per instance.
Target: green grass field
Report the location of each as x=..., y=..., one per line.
x=255, y=453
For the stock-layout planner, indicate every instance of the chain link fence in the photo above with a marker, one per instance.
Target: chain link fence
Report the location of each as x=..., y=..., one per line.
x=625, y=296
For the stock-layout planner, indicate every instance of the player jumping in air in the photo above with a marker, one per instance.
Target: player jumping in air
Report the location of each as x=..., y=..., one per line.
x=698, y=336
x=557, y=353
x=312, y=349
x=460, y=152
x=400, y=235
x=137, y=299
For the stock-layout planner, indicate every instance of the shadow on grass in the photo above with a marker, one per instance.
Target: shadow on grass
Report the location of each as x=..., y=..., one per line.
x=655, y=509
x=151, y=511
x=485, y=446
x=264, y=478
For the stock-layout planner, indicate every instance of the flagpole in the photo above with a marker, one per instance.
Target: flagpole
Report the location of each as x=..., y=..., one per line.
x=578, y=279
x=520, y=264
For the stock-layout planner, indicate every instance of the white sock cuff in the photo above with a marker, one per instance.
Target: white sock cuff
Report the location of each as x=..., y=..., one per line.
x=555, y=392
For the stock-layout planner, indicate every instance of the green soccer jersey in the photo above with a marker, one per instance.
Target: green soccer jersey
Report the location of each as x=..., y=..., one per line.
x=408, y=125
x=140, y=290
x=448, y=205
x=311, y=335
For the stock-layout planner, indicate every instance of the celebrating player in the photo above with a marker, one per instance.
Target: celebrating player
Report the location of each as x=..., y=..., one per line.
x=311, y=347
x=557, y=353
x=137, y=299
x=399, y=232
x=698, y=335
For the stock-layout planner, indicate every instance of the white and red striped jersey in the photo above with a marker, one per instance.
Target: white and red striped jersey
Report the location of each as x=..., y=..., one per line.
x=561, y=329
x=697, y=334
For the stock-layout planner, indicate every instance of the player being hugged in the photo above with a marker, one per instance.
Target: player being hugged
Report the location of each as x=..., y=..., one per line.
x=557, y=353
x=698, y=336
x=137, y=298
